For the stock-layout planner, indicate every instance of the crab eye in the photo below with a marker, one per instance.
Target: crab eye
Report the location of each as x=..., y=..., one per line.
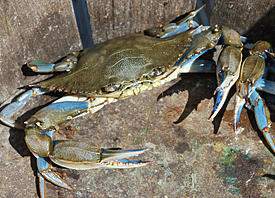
x=216, y=29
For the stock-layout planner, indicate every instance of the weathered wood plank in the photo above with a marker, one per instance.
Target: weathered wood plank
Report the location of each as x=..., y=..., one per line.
x=29, y=30
x=33, y=30
x=254, y=19
x=113, y=18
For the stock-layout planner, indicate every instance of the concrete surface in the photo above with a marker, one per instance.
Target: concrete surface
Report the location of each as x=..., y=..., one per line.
x=193, y=158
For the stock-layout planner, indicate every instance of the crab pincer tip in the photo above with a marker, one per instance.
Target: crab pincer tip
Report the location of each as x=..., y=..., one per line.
x=271, y=53
x=235, y=127
x=217, y=90
x=210, y=119
x=148, y=149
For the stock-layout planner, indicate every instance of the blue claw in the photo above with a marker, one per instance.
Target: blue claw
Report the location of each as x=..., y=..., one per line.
x=221, y=97
x=7, y=113
x=65, y=65
x=270, y=140
x=262, y=117
x=45, y=172
x=260, y=110
x=228, y=71
x=240, y=102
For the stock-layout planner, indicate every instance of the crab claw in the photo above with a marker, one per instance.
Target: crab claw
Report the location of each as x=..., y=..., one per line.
x=262, y=116
x=222, y=91
x=45, y=172
x=228, y=71
x=271, y=53
x=80, y=155
x=239, y=104
x=113, y=158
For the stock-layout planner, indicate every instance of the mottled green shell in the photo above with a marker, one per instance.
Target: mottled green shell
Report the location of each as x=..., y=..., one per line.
x=231, y=37
x=120, y=60
x=229, y=63
x=251, y=71
x=260, y=47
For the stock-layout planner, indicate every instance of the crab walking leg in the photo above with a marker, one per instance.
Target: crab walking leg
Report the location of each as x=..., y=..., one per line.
x=228, y=72
x=178, y=27
x=198, y=66
x=265, y=86
x=65, y=65
x=174, y=29
x=7, y=113
x=181, y=26
x=262, y=116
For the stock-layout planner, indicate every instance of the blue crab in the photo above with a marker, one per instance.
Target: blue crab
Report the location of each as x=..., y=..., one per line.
x=249, y=79
x=248, y=76
x=92, y=78
x=101, y=75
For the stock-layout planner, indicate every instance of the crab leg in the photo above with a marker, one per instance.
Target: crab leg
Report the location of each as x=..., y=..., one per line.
x=45, y=172
x=199, y=66
x=7, y=113
x=67, y=108
x=68, y=153
x=61, y=110
x=266, y=86
x=178, y=27
x=199, y=45
x=173, y=29
x=79, y=155
x=262, y=116
x=228, y=71
x=65, y=65
x=239, y=104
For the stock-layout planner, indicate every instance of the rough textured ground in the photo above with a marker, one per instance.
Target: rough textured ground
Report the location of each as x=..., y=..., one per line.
x=192, y=157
